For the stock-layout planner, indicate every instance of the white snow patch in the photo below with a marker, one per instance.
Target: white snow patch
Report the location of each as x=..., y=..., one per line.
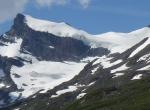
x=81, y=95
x=89, y=59
x=14, y=95
x=17, y=109
x=2, y=85
x=94, y=70
x=114, y=63
x=79, y=85
x=139, y=76
x=44, y=75
x=105, y=62
x=140, y=48
x=92, y=83
x=52, y=47
x=145, y=58
x=145, y=68
x=117, y=75
x=70, y=89
x=121, y=68
x=12, y=49
x=102, y=60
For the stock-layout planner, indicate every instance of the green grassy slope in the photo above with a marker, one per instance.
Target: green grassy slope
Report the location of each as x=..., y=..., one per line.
x=133, y=96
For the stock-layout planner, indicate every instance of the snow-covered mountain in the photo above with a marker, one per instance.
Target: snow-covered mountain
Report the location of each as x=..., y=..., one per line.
x=54, y=60
x=120, y=77
x=114, y=41
x=35, y=61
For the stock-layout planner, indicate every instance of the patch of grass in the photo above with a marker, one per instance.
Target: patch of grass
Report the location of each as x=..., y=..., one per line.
x=133, y=96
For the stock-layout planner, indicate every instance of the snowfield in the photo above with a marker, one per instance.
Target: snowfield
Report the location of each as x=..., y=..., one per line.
x=44, y=75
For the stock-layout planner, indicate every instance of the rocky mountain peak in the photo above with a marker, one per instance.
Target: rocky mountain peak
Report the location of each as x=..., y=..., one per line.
x=19, y=27
x=49, y=46
x=19, y=19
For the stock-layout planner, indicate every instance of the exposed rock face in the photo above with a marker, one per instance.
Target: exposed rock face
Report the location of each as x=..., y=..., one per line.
x=7, y=83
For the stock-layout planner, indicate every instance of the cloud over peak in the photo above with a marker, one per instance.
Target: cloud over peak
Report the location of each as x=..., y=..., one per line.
x=9, y=8
x=84, y=3
x=51, y=2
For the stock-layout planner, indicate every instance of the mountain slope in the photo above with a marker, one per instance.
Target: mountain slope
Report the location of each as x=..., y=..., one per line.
x=49, y=66
x=111, y=79
x=133, y=96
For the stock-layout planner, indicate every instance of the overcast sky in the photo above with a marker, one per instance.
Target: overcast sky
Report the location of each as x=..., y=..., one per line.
x=93, y=16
